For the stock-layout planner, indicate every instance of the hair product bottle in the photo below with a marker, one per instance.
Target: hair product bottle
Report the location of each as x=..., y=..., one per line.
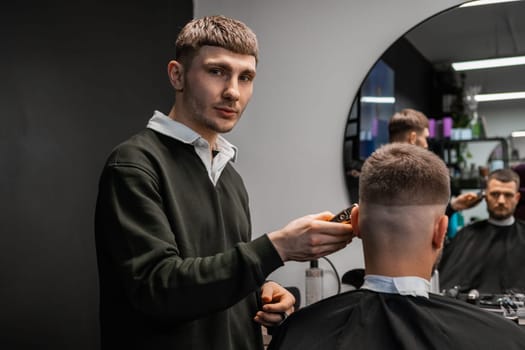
x=314, y=283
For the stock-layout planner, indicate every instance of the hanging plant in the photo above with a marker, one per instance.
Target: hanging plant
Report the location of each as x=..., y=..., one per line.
x=458, y=112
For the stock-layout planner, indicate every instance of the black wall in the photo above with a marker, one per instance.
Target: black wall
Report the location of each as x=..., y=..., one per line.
x=76, y=78
x=414, y=79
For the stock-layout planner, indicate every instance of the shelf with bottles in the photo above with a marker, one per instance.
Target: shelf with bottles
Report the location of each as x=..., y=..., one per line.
x=451, y=151
x=455, y=153
x=457, y=184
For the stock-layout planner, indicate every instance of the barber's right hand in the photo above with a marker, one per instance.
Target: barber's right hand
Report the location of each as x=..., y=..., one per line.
x=465, y=201
x=311, y=237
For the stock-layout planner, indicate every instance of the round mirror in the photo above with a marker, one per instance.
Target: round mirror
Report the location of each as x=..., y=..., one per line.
x=417, y=72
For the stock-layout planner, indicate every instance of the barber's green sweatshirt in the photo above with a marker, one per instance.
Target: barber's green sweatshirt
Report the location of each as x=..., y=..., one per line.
x=176, y=265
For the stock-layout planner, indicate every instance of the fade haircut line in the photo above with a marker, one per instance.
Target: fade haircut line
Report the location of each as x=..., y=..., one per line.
x=219, y=31
x=404, y=174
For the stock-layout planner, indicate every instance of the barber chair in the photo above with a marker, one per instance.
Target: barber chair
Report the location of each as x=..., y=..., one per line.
x=519, y=213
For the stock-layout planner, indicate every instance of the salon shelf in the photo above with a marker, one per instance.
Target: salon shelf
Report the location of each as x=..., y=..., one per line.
x=445, y=149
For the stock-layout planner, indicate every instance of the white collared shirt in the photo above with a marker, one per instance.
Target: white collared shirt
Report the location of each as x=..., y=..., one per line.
x=505, y=222
x=163, y=124
x=409, y=285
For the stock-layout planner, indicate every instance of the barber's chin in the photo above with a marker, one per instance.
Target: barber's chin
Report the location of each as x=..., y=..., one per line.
x=226, y=128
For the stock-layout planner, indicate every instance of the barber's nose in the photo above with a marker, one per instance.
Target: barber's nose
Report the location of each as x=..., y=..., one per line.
x=231, y=90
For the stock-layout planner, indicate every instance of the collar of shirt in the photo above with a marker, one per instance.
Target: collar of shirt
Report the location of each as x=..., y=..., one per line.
x=505, y=222
x=409, y=285
x=163, y=124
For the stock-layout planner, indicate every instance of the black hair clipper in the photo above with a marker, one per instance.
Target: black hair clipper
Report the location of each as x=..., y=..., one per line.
x=344, y=215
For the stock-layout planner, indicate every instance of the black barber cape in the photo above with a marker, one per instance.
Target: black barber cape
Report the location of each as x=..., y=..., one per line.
x=485, y=257
x=365, y=319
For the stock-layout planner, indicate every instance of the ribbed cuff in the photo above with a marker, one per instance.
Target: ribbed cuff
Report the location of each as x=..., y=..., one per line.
x=268, y=255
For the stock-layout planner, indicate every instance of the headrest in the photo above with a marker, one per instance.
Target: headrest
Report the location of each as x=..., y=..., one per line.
x=520, y=170
x=354, y=277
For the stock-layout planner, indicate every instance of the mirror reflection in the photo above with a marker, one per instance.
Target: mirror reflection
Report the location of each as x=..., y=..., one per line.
x=468, y=132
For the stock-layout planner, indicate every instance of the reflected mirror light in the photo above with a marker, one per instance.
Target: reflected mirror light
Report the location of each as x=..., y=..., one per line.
x=489, y=63
x=377, y=99
x=500, y=97
x=484, y=2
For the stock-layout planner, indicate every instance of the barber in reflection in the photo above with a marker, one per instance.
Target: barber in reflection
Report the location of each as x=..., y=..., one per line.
x=411, y=126
x=489, y=255
x=401, y=222
x=177, y=266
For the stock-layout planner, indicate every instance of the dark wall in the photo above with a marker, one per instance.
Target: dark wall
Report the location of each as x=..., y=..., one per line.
x=76, y=78
x=414, y=79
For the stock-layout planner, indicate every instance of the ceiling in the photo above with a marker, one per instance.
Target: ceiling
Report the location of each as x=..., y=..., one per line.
x=467, y=33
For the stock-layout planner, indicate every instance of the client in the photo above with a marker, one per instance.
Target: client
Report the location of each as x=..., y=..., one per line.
x=488, y=255
x=403, y=192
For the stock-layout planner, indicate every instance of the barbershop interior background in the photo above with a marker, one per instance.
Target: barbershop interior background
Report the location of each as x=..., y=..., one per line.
x=76, y=79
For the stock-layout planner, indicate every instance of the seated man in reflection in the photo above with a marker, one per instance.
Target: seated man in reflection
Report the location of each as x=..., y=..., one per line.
x=411, y=126
x=403, y=192
x=489, y=255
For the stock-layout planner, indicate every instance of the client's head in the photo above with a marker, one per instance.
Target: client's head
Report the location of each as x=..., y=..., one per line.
x=403, y=193
x=409, y=126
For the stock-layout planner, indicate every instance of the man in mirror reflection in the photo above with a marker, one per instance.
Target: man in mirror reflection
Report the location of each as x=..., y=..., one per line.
x=402, y=224
x=411, y=126
x=177, y=266
x=489, y=255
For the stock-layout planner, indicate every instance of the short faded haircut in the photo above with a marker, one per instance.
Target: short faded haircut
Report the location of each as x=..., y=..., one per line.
x=505, y=175
x=219, y=31
x=404, y=122
x=404, y=174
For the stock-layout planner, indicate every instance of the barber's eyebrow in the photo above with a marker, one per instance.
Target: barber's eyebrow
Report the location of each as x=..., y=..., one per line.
x=226, y=65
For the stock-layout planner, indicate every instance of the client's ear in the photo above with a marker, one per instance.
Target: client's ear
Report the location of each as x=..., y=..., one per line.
x=354, y=216
x=440, y=230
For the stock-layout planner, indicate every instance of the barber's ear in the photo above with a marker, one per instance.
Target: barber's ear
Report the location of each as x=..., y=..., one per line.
x=176, y=75
x=440, y=231
x=412, y=138
x=354, y=216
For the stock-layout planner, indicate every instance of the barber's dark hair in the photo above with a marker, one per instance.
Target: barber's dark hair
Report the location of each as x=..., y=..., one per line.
x=404, y=122
x=220, y=31
x=505, y=175
x=404, y=174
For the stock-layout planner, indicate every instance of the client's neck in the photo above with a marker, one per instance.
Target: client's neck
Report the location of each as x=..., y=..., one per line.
x=395, y=264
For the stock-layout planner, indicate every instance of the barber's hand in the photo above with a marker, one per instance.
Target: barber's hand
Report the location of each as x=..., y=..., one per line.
x=278, y=304
x=311, y=237
x=465, y=201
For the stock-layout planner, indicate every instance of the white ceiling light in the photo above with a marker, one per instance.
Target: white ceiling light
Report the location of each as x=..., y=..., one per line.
x=500, y=96
x=490, y=63
x=484, y=2
x=518, y=134
x=377, y=99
